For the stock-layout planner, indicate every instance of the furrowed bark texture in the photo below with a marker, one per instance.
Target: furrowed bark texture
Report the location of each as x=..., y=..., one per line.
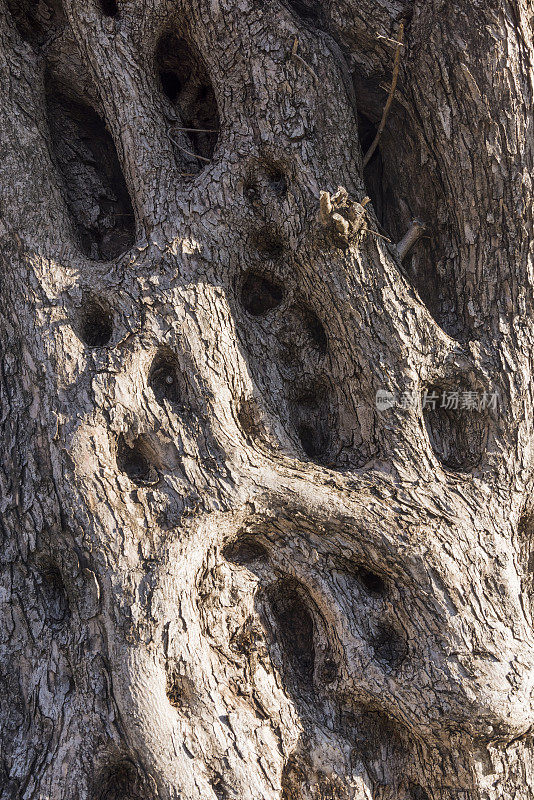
x=226, y=573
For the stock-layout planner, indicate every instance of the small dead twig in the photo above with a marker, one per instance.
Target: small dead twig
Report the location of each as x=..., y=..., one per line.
x=295, y=55
x=393, y=41
x=380, y=236
x=396, y=65
x=189, y=152
x=195, y=130
x=414, y=232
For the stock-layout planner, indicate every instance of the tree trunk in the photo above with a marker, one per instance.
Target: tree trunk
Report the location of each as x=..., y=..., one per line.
x=267, y=478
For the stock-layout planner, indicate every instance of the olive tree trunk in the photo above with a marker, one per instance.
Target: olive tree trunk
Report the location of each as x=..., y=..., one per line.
x=266, y=474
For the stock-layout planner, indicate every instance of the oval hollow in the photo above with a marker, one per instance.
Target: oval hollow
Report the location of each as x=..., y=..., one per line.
x=163, y=377
x=373, y=584
x=121, y=781
x=311, y=412
x=96, y=323
x=93, y=185
x=135, y=463
x=295, y=627
x=259, y=294
x=245, y=551
x=54, y=595
x=457, y=435
x=186, y=84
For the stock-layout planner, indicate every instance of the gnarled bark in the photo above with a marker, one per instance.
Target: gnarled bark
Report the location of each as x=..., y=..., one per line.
x=227, y=572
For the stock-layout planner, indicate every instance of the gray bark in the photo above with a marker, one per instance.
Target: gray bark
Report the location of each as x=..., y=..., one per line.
x=225, y=571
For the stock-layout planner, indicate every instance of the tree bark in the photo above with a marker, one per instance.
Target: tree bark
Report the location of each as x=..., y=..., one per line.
x=230, y=568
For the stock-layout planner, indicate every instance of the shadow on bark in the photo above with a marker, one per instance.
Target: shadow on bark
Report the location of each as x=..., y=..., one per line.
x=185, y=82
x=36, y=20
x=94, y=325
x=109, y=8
x=122, y=781
x=93, y=185
x=458, y=436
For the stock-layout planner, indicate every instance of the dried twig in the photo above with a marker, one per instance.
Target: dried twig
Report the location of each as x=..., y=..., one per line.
x=294, y=54
x=380, y=236
x=396, y=65
x=195, y=130
x=189, y=152
x=414, y=232
x=393, y=41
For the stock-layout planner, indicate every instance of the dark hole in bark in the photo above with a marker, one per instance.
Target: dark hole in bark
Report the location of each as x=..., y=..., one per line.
x=96, y=323
x=314, y=328
x=295, y=627
x=94, y=188
x=163, y=378
x=311, y=441
x=373, y=173
x=250, y=419
x=180, y=690
x=371, y=582
x=389, y=646
x=171, y=84
x=122, y=782
x=260, y=295
x=219, y=789
x=308, y=9
x=53, y=595
x=186, y=83
x=418, y=793
x=457, y=435
x=403, y=183
x=278, y=183
x=312, y=420
x=275, y=176
x=268, y=243
x=109, y=8
x=35, y=20
x=245, y=551
x=134, y=462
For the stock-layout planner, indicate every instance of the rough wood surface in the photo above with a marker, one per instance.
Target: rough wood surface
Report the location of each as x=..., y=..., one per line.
x=225, y=571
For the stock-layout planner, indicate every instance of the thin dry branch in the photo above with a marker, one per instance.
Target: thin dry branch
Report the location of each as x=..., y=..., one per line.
x=195, y=130
x=414, y=232
x=190, y=152
x=396, y=66
x=294, y=54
